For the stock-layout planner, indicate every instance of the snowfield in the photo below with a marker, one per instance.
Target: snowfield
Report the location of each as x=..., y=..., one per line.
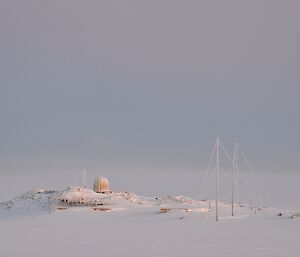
x=79, y=222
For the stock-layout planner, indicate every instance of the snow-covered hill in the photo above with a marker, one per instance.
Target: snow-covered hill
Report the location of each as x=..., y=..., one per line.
x=75, y=197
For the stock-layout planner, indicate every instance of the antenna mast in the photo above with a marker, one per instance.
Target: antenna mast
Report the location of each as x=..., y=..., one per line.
x=234, y=171
x=237, y=172
x=217, y=177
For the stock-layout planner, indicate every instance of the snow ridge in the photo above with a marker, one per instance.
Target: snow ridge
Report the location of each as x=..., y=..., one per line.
x=47, y=201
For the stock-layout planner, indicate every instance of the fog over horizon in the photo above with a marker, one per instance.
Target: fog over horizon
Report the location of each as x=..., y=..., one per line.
x=148, y=85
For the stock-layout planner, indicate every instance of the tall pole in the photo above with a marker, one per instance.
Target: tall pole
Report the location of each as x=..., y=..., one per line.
x=237, y=172
x=232, y=178
x=217, y=177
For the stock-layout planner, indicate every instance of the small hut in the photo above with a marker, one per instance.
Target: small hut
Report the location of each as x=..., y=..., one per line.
x=101, y=185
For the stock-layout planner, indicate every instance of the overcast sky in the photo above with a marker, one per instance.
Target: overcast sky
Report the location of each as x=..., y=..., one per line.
x=148, y=84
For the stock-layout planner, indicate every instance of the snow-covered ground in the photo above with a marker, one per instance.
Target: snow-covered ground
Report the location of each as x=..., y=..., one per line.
x=42, y=223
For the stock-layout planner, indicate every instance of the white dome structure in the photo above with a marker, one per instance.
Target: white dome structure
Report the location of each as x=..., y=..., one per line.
x=101, y=185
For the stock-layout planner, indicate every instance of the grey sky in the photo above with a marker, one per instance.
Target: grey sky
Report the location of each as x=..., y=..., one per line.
x=148, y=84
